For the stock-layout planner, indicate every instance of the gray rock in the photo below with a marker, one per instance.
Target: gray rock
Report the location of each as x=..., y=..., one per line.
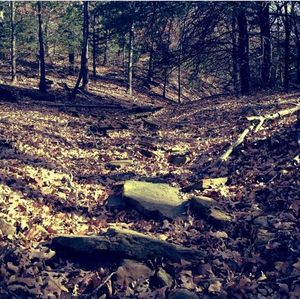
x=115, y=202
x=178, y=159
x=125, y=243
x=132, y=271
x=209, y=209
x=154, y=199
x=163, y=278
x=183, y=294
x=114, y=164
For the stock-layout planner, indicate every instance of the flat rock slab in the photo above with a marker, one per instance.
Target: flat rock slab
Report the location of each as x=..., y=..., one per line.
x=154, y=199
x=124, y=243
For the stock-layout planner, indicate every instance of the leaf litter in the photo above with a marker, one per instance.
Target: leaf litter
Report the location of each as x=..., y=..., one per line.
x=55, y=179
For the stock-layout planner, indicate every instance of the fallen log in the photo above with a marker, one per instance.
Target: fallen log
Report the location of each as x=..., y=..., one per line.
x=255, y=127
x=124, y=243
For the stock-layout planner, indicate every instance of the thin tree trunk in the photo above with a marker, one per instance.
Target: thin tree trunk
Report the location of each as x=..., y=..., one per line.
x=151, y=52
x=295, y=17
x=13, y=43
x=150, y=66
x=264, y=18
x=42, y=68
x=83, y=74
x=286, y=48
x=94, y=46
x=243, y=50
x=235, y=69
x=124, y=54
x=165, y=81
x=179, y=78
x=105, y=48
x=130, y=59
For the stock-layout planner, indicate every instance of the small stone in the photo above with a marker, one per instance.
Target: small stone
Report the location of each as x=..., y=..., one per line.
x=219, y=234
x=262, y=221
x=163, y=278
x=115, y=202
x=178, y=160
x=115, y=164
x=147, y=153
x=132, y=271
x=182, y=294
x=216, y=214
x=214, y=183
x=263, y=237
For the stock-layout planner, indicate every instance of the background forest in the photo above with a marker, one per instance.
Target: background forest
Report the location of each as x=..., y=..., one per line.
x=200, y=47
x=149, y=149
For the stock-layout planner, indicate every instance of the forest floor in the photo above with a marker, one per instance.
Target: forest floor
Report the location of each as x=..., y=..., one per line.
x=56, y=177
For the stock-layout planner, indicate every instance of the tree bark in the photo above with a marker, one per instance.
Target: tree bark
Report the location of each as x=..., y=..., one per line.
x=243, y=50
x=264, y=21
x=42, y=68
x=295, y=18
x=165, y=81
x=151, y=50
x=94, y=46
x=179, y=75
x=286, y=48
x=235, y=67
x=105, y=48
x=83, y=74
x=13, y=43
x=130, y=58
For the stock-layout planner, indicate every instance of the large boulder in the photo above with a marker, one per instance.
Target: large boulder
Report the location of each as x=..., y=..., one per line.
x=124, y=243
x=154, y=199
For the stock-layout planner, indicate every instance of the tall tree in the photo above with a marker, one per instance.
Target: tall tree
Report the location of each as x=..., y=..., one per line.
x=94, y=45
x=13, y=42
x=83, y=74
x=130, y=58
x=235, y=67
x=243, y=49
x=265, y=35
x=287, y=32
x=42, y=67
x=296, y=21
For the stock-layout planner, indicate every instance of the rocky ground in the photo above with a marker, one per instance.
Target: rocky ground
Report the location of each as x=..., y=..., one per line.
x=113, y=197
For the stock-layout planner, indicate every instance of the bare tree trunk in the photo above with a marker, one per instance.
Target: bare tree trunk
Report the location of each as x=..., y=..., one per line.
x=265, y=35
x=42, y=68
x=105, y=48
x=179, y=73
x=130, y=59
x=235, y=68
x=83, y=74
x=243, y=50
x=94, y=46
x=295, y=17
x=286, y=48
x=151, y=51
x=13, y=43
x=124, y=53
x=165, y=81
x=150, y=66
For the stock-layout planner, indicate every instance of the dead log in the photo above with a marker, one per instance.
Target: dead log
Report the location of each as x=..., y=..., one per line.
x=125, y=243
x=256, y=124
